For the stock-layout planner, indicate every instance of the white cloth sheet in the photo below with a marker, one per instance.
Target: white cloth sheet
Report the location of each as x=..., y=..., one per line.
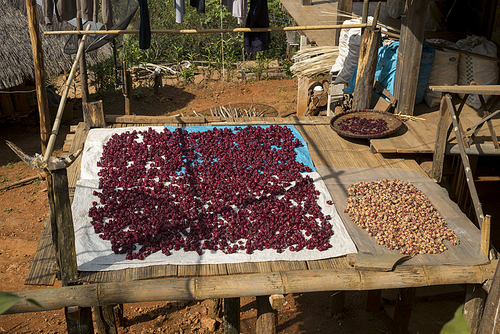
x=95, y=254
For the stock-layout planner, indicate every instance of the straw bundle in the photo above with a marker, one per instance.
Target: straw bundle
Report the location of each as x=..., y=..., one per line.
x=314, y=61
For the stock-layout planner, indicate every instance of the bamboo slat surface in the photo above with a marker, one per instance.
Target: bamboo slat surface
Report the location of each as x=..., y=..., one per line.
x=419, y=135
x=43, y=269
x=327, y=149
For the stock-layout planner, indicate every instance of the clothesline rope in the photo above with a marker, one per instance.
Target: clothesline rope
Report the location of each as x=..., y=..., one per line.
x=207, y=31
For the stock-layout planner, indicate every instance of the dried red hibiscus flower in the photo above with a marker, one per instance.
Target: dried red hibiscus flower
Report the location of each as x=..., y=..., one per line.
x=363, y=126
x=224, y=190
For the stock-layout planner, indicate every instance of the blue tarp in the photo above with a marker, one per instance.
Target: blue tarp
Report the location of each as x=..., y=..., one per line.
x=303, y=155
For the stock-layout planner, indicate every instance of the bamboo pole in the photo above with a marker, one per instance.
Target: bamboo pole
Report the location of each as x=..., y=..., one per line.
x=207, y=31
x=231, y=286
x=62, y=104
x=41, y=86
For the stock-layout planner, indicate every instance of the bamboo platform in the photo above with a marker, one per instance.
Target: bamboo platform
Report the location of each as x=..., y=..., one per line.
x=419, y=135
x=328, y=150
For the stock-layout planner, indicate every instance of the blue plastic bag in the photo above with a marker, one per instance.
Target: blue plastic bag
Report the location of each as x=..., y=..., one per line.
x=385, y=72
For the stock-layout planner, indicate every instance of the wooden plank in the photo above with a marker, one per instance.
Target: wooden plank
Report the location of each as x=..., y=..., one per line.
x=43, y=268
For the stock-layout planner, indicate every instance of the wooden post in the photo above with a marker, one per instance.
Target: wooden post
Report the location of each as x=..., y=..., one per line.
x=367, y=64
x=303, y=85
x=372, y=300
x=105, y=319
x=490, y=322
x=402, y=313
x=215, y=308
x=84, y=86
x=409, y=55
x=337, y=302
x=475, y=297
x=485, y=235
x=78, y=320
x=277, y=302
x=41, y=86
x=440, y=143
x=231, y=315
x=364, y=14
x=343, y=7
x=96, y=114
x=267, y=318
x=128, y=92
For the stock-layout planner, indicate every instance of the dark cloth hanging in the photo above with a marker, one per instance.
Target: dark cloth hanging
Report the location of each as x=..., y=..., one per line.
x=144, y=28
x=87, y=10
x=199, y=5
x=258, y=17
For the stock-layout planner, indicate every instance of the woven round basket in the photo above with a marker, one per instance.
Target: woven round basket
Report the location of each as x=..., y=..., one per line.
x=393, y=123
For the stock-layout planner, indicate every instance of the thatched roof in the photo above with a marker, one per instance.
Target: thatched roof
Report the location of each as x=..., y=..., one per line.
x=16, y=53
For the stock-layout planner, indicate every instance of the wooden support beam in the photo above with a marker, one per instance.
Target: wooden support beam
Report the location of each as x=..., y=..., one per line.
x=267, y=318
x=409, y=55
x=367, y=64
x=490, y=321
x=78, y=319
x=403, y=309
x=475, y=297
x=40, y=75
x=231, y=315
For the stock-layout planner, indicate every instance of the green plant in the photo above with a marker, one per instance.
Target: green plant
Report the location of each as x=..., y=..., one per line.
x=7, y=300
x=457, y=325
x=8, y=210
x=287, y=63
x=102, y=76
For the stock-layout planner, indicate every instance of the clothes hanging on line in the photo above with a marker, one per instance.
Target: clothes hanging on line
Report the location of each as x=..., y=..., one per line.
x=180, y=10
x=199, y=5
x=67, y=10
x=144, y=27
x=258, y=17
x=237, y=8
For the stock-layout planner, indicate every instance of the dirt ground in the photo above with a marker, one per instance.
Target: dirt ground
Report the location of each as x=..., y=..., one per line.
x=23, y=208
